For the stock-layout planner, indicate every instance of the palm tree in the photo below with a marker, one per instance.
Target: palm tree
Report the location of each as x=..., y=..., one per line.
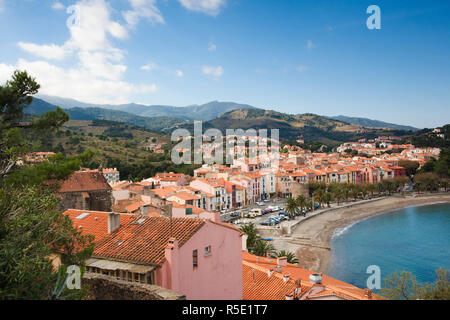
x=291, y=258
x=291, y=207
x=327, y=198
x=301, y=201
x=338, y=194
x=252, y=234
x=262, y=248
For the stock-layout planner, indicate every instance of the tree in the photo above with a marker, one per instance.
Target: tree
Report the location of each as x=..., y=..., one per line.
x=252, y=235
x=426, y=181
x=404, y=286
x=15, y=96
x=291, y=207
x=301, y=202
x=327, y=198
x=410, y=167
x=291, y=258
x=262, y=248
x=30, y=231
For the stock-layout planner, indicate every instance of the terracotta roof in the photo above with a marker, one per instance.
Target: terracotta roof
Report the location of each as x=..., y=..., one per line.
x=340, y=288
x=139, y=239
x=85, y=181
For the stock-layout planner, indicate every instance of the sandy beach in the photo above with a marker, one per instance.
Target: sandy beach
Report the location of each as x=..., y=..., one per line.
x=311, y=238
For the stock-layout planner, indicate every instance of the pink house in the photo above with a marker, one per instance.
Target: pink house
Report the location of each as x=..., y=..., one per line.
x=201, y=259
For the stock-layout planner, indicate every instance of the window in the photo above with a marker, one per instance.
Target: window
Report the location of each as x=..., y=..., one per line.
x=195, y=259
x=207, y=250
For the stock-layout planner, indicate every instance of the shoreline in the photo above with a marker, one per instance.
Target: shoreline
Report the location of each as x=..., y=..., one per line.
x=311, y=239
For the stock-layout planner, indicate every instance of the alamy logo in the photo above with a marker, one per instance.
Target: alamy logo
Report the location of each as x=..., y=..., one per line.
x=374, y=281
x=73, y=281
x=74, y=18
x=374, y=21
x=251, y=146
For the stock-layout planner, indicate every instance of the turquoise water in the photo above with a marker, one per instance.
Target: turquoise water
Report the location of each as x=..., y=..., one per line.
x=415, y=239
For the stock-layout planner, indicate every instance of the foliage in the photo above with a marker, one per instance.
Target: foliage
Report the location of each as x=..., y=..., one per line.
x=263, y=248
x=291, y=258
x=440, y=167
x=15, y=96
x=30, y=231
x=404, y=286
x=251, y=232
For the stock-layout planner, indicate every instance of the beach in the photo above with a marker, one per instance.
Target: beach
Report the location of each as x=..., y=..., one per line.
x=311, y=238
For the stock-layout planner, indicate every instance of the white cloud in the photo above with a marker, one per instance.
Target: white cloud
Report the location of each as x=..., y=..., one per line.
x=50, y=52
x=209, y=7
x=179, y=73
x=213, y=71
x=57, y=6
x=150, y=66
x=97, y=75
x=2, y=5
x=212, y=46
x=142, y=9
x=301, y=68
x=310, y=45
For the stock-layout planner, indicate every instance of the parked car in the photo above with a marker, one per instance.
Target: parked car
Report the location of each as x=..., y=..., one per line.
x=260, y=203
x=257, y=212
x=265, y=212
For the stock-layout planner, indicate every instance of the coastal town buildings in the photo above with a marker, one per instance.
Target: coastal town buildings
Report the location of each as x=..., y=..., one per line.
x=199, y=258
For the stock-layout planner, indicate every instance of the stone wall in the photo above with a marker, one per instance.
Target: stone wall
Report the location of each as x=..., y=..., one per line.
x=101, y=200
x=103, y=287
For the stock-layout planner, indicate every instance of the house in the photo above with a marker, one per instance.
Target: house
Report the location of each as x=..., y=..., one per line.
x=168, y=179
x=276, y=279
x=86, y=190
x=201, y=259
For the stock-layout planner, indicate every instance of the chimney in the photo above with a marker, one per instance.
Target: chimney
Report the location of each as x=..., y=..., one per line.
x=286, y=277
x=113, y=222
x=289, y=296
x=282, y=261
x=278, y=269
x=368, y=293
x=173, y=264
x=268, y=255
x=269, y=273
x=315, y=278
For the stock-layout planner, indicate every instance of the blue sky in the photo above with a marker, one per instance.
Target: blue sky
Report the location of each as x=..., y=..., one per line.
x=288, y=55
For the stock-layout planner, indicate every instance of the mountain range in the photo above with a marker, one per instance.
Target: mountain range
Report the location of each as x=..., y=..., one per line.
x=308, y=127
x=223, y=115
x=204, y=112
x=372, y=123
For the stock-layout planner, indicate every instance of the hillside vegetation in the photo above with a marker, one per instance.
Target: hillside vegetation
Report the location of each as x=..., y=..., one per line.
x=309, y=127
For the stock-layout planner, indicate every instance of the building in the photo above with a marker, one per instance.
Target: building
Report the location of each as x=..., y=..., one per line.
x=201, y=259
x=86, y=190
x=276, y=279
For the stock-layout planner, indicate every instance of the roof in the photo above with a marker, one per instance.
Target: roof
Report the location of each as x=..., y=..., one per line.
x=85, y=181
x=335, y=287
x=139, y=239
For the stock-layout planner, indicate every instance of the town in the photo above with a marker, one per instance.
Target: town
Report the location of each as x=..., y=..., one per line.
x=178, y=231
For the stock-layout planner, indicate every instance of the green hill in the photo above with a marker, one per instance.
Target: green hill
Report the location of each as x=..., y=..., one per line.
x=309, y=127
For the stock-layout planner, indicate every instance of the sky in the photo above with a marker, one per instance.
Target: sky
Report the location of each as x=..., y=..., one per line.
x=293, y=56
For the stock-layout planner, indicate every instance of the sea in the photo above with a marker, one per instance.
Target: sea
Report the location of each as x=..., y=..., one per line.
x=415, y=239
